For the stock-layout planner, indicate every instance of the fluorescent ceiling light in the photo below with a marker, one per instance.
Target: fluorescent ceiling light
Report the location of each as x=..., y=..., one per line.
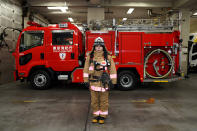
x=54, y=8
x=70, y=19
x=124, y=19
x=130, y=11
x=195, y=13
x=63, y=9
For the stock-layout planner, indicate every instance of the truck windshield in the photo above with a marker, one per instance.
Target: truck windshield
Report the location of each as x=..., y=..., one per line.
x=61, y=37
x=30, y=39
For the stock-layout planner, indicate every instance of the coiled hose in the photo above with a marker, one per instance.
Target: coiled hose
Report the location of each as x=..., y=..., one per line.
x=158, y=75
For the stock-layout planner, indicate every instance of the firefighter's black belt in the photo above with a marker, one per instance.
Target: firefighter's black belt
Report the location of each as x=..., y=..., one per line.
x=94, y=80
x=96, y=77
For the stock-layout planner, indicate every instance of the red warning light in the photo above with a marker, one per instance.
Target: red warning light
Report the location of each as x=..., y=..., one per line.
x=31, y=23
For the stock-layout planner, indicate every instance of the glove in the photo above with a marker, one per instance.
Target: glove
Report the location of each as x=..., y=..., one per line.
x=111, y=85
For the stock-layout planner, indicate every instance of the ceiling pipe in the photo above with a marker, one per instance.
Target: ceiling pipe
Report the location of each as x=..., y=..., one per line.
x=151, y=14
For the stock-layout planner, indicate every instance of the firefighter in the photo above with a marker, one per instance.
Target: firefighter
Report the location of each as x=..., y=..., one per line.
x=97, y=63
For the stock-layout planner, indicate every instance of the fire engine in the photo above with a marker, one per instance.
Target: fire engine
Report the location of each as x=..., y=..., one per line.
x=141, y=53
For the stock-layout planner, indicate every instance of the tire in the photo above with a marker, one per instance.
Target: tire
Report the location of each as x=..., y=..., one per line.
x=127, y=80
x=40, y=80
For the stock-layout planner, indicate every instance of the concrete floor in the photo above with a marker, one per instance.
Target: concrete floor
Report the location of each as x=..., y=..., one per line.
x=65, y=108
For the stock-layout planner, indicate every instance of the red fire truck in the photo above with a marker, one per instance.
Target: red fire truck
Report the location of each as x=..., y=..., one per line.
x=141, y=54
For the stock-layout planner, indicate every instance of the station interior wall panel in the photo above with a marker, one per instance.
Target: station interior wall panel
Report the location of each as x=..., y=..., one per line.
x=10, y=16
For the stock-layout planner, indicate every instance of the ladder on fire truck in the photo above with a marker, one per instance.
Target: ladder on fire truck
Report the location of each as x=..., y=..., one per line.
x=148, y=25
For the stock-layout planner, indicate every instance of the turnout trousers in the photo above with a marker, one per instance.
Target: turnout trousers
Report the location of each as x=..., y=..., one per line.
x=100, y=103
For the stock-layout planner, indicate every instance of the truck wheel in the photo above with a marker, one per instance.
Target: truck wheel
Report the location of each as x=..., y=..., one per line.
x=127, y=80
x=40, y=80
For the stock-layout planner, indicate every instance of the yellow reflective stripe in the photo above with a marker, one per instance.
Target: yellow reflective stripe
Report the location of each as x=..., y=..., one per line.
x=160, y=81
x=85, y=75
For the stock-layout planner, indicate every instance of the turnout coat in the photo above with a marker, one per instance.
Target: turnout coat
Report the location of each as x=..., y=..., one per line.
x=89, y=72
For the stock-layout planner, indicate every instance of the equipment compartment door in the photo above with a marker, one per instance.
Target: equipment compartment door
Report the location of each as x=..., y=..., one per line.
x=130, y=47
x=158, y=39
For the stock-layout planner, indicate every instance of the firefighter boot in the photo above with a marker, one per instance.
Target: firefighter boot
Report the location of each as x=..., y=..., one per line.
x=101, y=120
x=95, y=119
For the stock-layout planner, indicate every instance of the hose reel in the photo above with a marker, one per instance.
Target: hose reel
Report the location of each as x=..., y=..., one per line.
x=158, y=64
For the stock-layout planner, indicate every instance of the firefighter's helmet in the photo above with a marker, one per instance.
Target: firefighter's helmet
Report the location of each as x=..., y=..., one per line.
x=99, y=41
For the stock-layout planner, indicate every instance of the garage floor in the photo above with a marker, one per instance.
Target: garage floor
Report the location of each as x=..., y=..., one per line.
x=65, y=108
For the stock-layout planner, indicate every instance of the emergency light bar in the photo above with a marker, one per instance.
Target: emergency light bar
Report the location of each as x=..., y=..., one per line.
x=65, y=25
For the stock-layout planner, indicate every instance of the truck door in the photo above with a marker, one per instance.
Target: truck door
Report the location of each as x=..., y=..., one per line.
x=30, y=51
x=62, y=50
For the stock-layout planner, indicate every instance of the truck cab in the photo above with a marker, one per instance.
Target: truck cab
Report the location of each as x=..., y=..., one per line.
x=48, y=53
